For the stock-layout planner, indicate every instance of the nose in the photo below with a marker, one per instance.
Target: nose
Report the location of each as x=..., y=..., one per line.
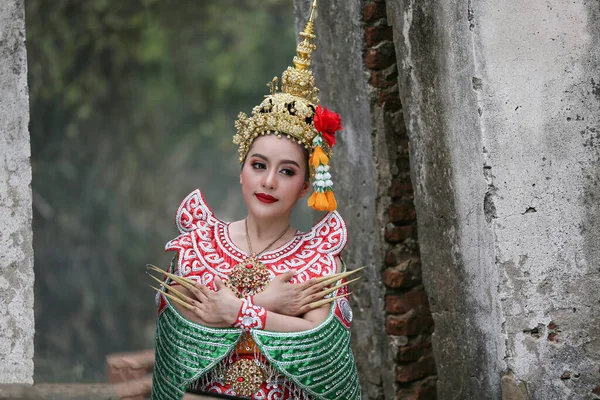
x=270, y=179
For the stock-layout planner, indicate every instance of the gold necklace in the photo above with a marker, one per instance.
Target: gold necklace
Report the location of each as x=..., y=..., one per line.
x=251, y=276
x=268, y=246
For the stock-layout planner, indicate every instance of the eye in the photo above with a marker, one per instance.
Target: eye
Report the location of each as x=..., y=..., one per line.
x=288, y=172
x=258, y=165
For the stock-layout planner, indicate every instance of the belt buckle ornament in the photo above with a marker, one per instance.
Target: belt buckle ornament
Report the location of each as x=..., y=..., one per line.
x=244, y=377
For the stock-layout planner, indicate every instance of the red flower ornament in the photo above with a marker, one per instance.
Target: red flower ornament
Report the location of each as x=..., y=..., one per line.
x=327, y=123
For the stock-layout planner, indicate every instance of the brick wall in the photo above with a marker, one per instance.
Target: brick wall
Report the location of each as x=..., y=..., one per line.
x=408, y=319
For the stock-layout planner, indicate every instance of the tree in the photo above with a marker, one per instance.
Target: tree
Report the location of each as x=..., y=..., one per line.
x=132, y=107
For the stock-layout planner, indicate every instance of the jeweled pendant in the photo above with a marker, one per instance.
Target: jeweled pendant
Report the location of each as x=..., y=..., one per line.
x=248, y=277
x=244, y=377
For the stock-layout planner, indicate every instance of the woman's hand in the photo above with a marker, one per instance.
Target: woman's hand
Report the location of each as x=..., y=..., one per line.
x=217, y=309
x=285, y=298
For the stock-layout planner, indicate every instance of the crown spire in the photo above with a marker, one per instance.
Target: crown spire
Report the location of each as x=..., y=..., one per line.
x=299, y=80
x=306, y=46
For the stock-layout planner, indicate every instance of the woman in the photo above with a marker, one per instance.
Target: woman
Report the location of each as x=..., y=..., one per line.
x=242, y=310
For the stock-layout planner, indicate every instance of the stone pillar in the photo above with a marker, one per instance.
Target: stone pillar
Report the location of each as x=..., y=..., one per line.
x=16, y=252
x=502, y=105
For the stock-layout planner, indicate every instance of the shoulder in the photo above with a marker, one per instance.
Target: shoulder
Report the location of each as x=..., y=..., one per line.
x=194, y=220
x=202, y=247
x=315, y=253
x=193, y=212
x=329, y=235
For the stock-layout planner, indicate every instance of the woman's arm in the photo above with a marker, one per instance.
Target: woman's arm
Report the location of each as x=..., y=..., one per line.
x=283, y=297
x=225, y=317
x=283, y=323
x=220, y=309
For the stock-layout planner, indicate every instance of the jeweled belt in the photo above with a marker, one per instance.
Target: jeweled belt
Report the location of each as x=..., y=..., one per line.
x=245, y=376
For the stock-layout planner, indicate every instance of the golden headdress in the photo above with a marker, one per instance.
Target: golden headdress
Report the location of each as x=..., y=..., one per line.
x=291, y=111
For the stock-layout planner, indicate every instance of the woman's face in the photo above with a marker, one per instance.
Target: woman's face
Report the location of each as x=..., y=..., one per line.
x=273, y=177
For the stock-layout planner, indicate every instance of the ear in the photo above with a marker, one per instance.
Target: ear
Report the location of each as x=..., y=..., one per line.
x=305, y=188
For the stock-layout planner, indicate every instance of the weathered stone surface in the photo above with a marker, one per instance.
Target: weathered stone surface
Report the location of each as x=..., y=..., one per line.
x=361, y=174
x=456, y=245
x=512, y=389
x=540, y=130
x=16, y=252
x=502, y=109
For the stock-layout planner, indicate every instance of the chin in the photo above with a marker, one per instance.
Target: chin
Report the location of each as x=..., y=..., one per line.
x=266, y=210
x=263, y=210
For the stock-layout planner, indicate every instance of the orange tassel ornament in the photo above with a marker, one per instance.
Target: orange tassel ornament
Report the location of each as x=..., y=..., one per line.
x=322, y=199
x=331, y=202
x=318, y=157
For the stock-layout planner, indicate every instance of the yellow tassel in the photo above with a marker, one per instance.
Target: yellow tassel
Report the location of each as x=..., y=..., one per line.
x=312, y=200
x=331, y=201
x=321, y=203
x=318, y=157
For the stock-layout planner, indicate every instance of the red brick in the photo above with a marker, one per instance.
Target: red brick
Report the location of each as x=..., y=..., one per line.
x=391, y=257
x=427, y=391
x=399, y=326
x=380, y=57
x=377, y=34
x=399, y=233
x=402, y=213
x=397, y=256
x=407, y=394
x=397, y=279
x=394, y=305
x=425, y=325
x=414, y=352
x=418, y=370
x=401, y=189
x=423, y=390
x=408, y=326
x=596, y=391
x=402, y=304
x=374, y=11
x=383, y=79
x=390, y=99
x=417, y=298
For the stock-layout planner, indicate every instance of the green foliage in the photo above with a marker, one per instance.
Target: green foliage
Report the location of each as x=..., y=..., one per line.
x=132, y=107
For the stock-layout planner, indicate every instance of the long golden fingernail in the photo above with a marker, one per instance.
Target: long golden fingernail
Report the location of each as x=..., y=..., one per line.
x=172, y=289
x=321, y=303
x=186, y=283
x=333, y=289
x=174, y=298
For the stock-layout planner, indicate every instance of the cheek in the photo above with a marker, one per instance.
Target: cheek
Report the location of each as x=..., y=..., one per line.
x=246, y=178
x=296, y=184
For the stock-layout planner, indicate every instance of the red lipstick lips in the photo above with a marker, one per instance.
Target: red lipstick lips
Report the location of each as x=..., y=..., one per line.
x=265, y=198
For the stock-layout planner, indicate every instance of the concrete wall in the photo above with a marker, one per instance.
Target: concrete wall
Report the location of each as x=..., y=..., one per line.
x=16, y=252
x=357, y=172
x=502, y=106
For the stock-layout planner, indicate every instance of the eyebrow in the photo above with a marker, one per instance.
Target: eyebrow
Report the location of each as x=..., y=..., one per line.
x=282, y=162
